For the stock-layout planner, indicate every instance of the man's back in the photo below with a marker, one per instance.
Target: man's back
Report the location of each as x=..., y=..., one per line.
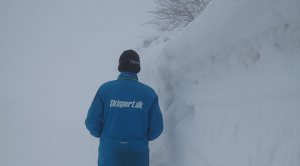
x=127, y=107
x=128, y=116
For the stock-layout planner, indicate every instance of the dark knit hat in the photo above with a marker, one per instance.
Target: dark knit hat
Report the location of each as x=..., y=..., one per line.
x=129, y=61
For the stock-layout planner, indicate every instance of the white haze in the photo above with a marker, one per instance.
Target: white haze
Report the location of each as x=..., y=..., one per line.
x=228, y=83
x=53, y=56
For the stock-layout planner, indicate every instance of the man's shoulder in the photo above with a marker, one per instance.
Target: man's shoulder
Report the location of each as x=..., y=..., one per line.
x=106, y=84
x=147, y=88
x=145, y=85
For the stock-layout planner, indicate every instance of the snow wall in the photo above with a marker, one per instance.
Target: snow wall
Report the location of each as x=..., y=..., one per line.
x=229, y=86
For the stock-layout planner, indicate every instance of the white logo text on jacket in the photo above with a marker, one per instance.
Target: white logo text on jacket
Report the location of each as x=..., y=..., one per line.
x=126, y=104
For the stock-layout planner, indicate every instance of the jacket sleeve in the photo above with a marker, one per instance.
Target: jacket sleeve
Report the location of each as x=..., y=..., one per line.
x=94, y=118
x=155, y=123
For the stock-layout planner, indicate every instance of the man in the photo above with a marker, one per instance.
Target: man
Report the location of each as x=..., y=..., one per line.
x=125, y=115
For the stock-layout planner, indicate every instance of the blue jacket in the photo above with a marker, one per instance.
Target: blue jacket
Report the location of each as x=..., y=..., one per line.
x=125, y=115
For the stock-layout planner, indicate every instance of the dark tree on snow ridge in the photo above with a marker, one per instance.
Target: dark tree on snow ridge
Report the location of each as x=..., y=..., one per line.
x=171, y=14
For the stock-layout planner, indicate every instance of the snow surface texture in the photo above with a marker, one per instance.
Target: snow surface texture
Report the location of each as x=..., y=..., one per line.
x=229, y=86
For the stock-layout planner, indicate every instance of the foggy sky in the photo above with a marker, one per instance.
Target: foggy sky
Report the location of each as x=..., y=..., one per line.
x=53, y=57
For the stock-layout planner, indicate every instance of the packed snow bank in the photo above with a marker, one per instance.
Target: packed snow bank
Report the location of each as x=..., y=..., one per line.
x=229, y=86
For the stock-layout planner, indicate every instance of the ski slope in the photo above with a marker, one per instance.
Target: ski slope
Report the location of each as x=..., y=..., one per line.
x=229, y=86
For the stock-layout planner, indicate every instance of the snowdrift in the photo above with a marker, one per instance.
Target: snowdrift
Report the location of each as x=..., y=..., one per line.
x=229, y=86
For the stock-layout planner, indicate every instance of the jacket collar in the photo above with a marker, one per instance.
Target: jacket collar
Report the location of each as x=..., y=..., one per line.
x=128, y=75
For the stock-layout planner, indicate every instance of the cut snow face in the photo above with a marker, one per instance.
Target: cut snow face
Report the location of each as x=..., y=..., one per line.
x=229, y=86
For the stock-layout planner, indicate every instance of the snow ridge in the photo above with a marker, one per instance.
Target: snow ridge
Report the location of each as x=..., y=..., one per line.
x=229, y=86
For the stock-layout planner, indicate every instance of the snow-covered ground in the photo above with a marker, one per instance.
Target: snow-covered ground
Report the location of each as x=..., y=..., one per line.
x=229, y=86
